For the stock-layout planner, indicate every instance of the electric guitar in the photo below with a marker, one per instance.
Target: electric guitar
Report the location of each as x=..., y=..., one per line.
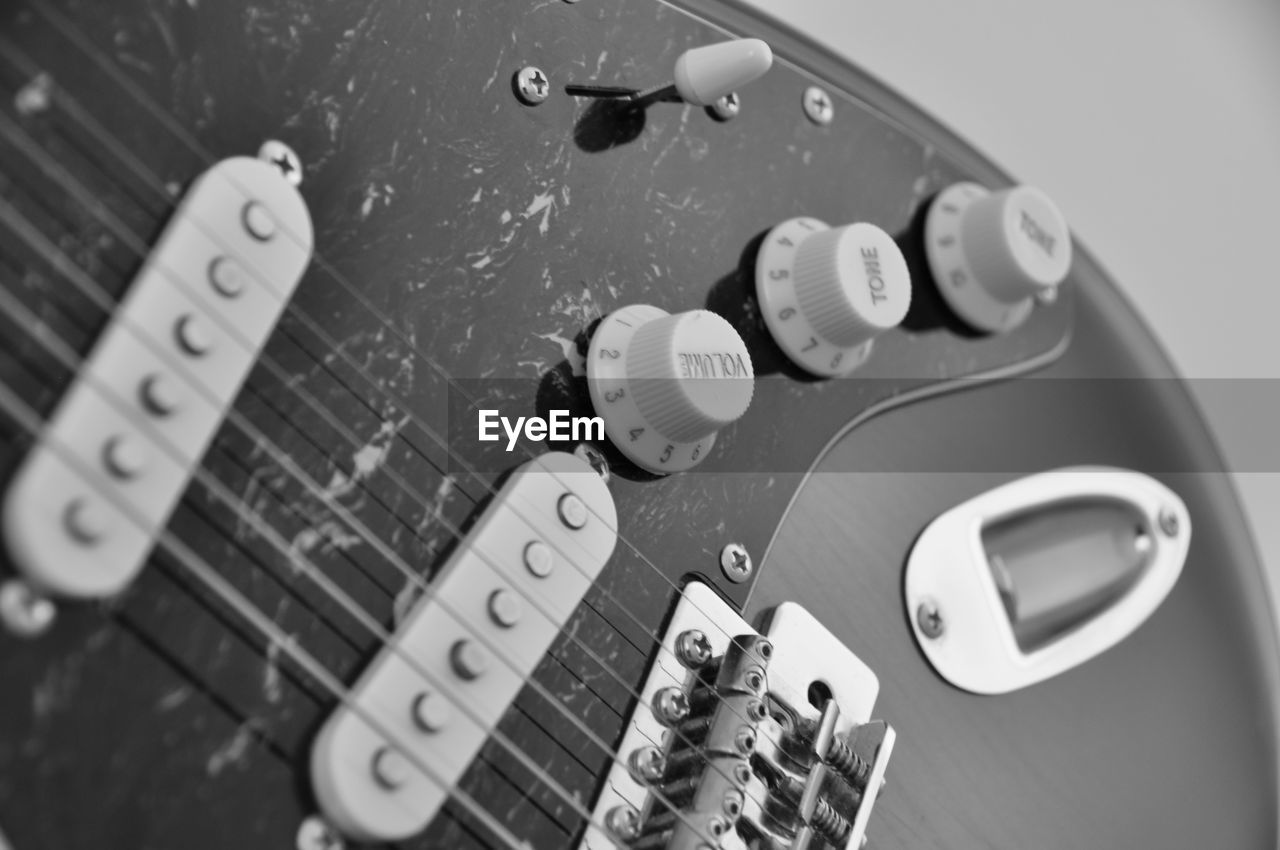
x=580, y=425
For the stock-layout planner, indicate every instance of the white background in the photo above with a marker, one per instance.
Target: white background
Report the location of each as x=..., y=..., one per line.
x=1155, y=125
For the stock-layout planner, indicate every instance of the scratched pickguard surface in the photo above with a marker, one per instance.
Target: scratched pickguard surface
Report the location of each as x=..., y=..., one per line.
x=465, y=243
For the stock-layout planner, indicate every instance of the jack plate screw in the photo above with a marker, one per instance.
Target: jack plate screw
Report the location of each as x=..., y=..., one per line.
x=930, y=620
x=1169, y=524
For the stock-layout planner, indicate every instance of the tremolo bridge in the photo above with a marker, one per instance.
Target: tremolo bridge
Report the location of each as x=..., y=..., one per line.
x=746, y=739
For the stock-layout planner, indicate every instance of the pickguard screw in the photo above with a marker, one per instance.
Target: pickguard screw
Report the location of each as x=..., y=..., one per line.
x=735, y=562
x=693, y=648
x=929, y=618
x=532, y=85
x=594, y=458
x=623, y=821
x=25, y=612
x=1169, y=524
x=818, y=106
x=727, y=107
x=282, y=157
x=316, y=834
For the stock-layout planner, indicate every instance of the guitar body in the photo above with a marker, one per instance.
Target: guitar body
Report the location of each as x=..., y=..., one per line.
x=1167, y=740
x=466, y=246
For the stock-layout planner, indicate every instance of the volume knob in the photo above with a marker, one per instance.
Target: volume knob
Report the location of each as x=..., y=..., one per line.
x=994, y=253
x=665, y=384
x=826, y=293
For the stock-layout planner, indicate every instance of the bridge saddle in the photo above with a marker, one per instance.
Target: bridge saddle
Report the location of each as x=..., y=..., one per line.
x=745, y=738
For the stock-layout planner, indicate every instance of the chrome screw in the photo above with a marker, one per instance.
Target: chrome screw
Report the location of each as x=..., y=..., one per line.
x=647, y=764
x=1168, y=521
x=623, y=821
x=282, y=157
x=693, y=648
x=745, y=740
x=594, y=458
x=25, y=612
x=532, y=85
x=818, y=106
x=727, y=107
x=314, y=833
x=735, y=562
x=670, y=705
x=929, y=618
x=1048, y=295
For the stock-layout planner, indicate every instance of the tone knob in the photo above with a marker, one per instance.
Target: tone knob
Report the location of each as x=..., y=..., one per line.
x=664, y=384
x=826, y=292
x=993, y=254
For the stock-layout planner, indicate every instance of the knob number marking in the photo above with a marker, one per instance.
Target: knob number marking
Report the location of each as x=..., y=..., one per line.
x=781, y=309
x=947, y=263
x=625, y=426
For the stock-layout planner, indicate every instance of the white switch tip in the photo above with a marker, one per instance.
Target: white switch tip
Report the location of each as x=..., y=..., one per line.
x=705, y=74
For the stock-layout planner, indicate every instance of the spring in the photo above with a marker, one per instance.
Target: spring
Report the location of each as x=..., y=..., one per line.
x=853, y=767
x=829, y=823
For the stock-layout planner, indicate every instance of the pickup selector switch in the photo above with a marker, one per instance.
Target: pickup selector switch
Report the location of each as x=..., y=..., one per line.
x=993, y=254
x=665, y=384
x=826, y=293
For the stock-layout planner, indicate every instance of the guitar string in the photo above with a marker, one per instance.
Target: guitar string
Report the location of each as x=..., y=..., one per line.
x=43, y=334
x=30, y=421
x=355, y=524
x=29, y=321
x=298, y=313
x=367, y=534
x=72, y=33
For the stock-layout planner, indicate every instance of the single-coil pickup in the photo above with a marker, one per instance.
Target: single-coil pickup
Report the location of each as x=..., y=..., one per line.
x=85, y=508
x=390, y=754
